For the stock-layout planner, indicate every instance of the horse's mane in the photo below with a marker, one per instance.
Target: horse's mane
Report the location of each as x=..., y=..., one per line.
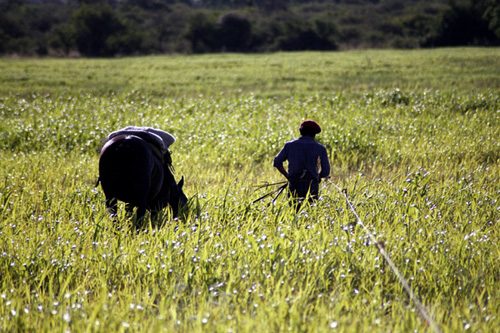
x=167, y=160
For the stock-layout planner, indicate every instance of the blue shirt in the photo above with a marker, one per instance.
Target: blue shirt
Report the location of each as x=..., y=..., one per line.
x=304, y=154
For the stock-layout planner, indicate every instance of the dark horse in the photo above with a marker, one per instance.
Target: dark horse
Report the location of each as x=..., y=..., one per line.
x=131, y=170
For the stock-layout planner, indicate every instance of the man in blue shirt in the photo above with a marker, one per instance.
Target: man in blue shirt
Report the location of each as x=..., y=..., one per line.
x=304, y=156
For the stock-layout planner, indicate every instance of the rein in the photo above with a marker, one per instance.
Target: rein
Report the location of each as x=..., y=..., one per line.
x=380, y=247
x=279, y=190
x=156, y=151
x=421, y=308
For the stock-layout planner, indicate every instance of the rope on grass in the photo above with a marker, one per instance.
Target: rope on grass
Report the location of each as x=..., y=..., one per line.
x=421, y=308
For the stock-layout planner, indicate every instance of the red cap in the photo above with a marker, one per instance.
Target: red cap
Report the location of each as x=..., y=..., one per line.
x=311, y=124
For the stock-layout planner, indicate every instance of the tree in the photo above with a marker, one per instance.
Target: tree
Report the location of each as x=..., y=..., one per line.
x=235, y=32
x=463, y=24
x=202, y=33
x=99, y=32
x=165, y=29
x=61, y=38
x=492, y=15
x=298, y=35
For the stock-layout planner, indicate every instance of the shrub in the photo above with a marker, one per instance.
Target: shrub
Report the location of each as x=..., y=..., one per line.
x=235, y=31
x=100, y=32
x=201, y=32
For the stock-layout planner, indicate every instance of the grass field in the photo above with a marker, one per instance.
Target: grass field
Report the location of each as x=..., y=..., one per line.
x=284, y=74
x=412, y=136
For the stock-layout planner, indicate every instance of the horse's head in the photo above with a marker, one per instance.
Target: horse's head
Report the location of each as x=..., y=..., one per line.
x=177, y=198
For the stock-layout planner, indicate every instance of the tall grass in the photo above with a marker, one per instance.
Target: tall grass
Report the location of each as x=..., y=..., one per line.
x=420, y=165
x=268, y=75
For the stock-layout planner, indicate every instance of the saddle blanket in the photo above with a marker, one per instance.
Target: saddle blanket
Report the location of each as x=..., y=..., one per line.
x=163, y=140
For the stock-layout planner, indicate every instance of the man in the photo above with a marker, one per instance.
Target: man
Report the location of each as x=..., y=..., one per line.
x=304, y=155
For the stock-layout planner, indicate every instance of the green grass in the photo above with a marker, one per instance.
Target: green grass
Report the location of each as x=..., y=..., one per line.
x=417, y=151
x=282, y=74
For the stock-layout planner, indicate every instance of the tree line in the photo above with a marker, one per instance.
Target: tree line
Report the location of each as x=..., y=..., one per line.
x=106, y=28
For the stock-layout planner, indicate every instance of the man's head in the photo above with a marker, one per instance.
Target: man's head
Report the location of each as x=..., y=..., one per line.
x=309, y=128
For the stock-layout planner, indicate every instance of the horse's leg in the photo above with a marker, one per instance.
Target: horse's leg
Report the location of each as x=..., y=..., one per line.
x=112, y=206
x=139, y=215
x=129, y=208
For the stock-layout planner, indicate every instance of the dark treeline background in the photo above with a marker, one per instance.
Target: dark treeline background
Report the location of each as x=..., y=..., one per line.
x=104, y=28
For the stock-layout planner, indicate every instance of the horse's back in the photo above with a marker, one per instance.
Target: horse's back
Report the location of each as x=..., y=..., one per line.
x=126, y=169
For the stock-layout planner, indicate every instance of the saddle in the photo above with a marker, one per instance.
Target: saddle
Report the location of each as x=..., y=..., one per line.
x=154, y=141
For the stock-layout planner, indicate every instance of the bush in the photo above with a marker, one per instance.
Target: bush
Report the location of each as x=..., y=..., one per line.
x=99, y=32
x=201, y=32
x=61, y=38
x=99, y=28
x=462, y=25
x=297, y=35
x=235, y=31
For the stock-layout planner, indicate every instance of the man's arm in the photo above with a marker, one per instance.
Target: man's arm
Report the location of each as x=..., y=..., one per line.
x=279, y=159
x=282, y=170
x=325, y=165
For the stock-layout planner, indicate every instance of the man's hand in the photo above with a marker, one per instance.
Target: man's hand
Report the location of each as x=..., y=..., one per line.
x=283, y=171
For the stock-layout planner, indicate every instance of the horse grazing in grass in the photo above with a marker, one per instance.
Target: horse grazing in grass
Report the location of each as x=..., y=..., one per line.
x=134, y=170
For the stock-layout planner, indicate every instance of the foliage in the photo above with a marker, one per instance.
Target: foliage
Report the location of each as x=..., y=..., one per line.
x=100, y=32
x=202, y=32
x=465, y=24
x=234, y=32
x=26, y=28
x=420, y=164
x=298, y=35
x=492, y=15
x=128, y=27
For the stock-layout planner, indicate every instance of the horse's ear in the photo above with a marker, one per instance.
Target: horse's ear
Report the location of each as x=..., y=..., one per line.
x=181, y=182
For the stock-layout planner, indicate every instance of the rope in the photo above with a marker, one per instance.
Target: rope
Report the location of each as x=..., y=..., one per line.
x=271, y=184
x=421, y=308
x=279, y=190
